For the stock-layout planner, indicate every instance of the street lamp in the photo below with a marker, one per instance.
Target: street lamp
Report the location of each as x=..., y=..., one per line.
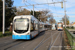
x=3, y=16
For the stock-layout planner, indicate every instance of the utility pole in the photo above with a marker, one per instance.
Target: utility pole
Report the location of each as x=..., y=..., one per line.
x=33, y=10
x=65, y=12
x=3, y=26
x=3, y=16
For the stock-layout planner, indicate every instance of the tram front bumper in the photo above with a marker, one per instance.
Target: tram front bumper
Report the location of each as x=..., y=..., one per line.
x=21, y=37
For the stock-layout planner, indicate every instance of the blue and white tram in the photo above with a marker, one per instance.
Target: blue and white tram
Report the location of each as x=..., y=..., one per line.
x=41, y=26
x=25, y=27
x=47, y=26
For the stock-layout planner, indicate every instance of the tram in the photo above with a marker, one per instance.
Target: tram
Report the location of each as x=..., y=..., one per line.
x=59, y=26
x=47, y=26
x=26, y=27
x=41, y=26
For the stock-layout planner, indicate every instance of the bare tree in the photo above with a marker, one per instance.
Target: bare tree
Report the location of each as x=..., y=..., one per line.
x=67, y=19
x=45, y=14
x=22, y=12
x=51, y=20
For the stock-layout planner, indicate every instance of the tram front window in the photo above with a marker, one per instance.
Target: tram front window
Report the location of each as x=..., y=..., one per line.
x=59, y=25
x=21, y=25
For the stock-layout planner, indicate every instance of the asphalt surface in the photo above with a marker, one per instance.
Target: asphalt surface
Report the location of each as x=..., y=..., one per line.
x=47, y=40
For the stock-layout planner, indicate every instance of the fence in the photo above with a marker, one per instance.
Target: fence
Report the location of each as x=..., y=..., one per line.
x=71, y=38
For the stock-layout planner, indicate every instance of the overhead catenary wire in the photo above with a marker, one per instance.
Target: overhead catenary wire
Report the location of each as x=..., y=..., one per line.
x=34, y=4
x=33, y=7
x=54, y=6
x=43, y=4
x=48, y=4
x=30, y=4
x=26, y=5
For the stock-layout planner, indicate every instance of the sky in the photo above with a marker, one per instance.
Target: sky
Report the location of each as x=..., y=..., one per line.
x=55, y=9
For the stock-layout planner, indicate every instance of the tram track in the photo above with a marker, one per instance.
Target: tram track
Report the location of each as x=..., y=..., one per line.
x=9, y=45
x=34, y=44
x=53, y=42
x=16, y=43
x=28, y=43
x=44, y=40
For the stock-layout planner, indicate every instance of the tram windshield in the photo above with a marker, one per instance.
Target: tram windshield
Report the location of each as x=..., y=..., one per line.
x=21, y=25
x=59, y=25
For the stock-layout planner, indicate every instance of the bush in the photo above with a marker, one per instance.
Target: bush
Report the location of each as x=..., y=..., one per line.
x=7, y=33
x=67, y=27
x=72, y=27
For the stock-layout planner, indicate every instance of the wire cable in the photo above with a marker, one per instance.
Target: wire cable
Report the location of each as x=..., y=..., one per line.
x=30, y=4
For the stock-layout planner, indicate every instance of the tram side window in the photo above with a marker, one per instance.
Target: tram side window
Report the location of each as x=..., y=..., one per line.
x=45, y=26
x=32, y=26
x=41, y=26
x=36, y=26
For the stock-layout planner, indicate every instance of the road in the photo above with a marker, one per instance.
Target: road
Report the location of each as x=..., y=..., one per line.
x=47, y=40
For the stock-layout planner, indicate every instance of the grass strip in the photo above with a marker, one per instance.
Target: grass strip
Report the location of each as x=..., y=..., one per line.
x=7, y=33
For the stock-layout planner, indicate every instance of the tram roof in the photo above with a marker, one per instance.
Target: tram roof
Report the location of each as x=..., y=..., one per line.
x=26, y=16
x=41, y=23
x=47, y=23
